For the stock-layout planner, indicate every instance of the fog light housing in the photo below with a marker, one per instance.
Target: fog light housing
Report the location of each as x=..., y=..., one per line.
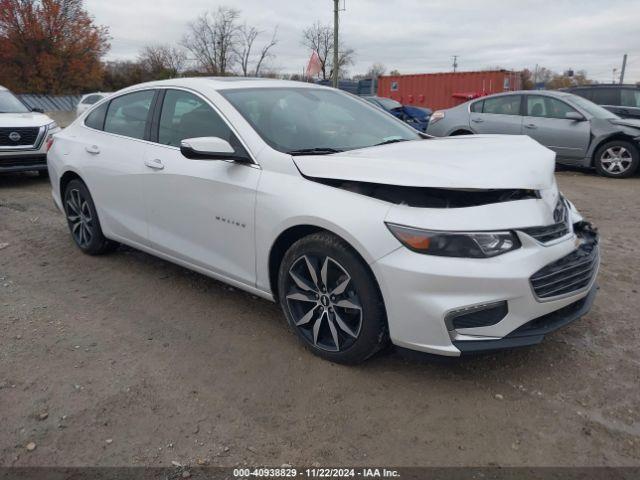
x=477, y=316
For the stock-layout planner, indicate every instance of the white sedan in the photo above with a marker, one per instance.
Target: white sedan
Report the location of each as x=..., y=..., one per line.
x=362, y=230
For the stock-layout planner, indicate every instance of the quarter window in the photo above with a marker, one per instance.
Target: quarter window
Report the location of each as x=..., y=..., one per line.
x=507, y=105
x=477, y=107
x=185, y=115
x=96, y=118
x=547, y=107
x=127, y=115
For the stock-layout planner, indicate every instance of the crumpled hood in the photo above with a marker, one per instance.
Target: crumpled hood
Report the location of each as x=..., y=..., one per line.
x=627, y=122
x=466, y=162
x=30, y=119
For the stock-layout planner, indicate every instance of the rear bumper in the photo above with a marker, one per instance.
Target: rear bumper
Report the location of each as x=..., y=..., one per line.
x=533, y=332
x=23, y=162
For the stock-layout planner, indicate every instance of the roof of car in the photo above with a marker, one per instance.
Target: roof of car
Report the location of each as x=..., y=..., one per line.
x=547, y=93
x=227, y=83
x=3, y=88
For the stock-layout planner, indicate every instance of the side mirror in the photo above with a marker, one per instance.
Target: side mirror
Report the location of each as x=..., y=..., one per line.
x=37, y=110
x=210, y=148
x=574, y=116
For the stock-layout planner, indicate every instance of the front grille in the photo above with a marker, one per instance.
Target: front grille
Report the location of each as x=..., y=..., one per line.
x=559, y=229
x=27, y=136
x=23, y=161
x=571, y=273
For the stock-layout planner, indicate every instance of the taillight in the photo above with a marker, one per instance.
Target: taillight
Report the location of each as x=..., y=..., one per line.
x=49, y=143
x=436, y=116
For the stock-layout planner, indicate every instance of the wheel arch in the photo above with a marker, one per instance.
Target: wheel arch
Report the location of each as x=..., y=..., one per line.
x=460, y=131
x=292, y=234
x=66, y=178
x=609, y=138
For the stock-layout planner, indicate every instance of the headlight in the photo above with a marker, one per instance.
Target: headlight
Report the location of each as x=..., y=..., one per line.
x=52, y=126
x=455, y=244
x=436, y=116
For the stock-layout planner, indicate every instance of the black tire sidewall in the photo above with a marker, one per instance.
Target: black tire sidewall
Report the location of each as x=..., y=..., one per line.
x=373, y=333
x=635, y=155
x=99, y=243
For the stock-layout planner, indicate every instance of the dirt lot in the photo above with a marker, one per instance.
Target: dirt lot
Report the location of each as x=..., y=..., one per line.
x=129, y=360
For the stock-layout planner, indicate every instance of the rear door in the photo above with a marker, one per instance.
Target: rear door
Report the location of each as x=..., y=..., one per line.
x=499, y=114
x=199, y=211
x=113, y=148
x=546, y=122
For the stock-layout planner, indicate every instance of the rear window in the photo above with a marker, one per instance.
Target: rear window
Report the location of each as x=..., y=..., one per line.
x=605, y=96
x=630, y=98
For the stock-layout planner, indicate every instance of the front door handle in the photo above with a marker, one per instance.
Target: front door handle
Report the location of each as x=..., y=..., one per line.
x=532, y=126
x=156, y=164
x=92, y=149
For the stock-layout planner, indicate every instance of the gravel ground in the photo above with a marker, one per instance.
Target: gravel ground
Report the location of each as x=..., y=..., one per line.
x=129, y=360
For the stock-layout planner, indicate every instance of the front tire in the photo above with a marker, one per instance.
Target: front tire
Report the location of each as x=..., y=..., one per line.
x=617, y=159
x=82, y=219
x=331, y=300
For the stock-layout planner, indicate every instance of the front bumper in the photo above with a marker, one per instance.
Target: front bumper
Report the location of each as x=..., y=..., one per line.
x=24, y=162
x=422, y=291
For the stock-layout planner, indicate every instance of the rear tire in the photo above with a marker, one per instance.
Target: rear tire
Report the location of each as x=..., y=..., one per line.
x=83, y=221
x=331, y=299
x=616, y=159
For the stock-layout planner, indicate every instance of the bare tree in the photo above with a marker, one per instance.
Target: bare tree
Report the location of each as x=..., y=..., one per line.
x=319, y=37
x=376, y=70
x=248, y=36
x=265, y=52
x=213, y=39
x=162, y=61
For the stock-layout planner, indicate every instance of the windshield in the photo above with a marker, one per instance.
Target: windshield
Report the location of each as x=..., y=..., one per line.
x=591, y=108
x=10, y=104
x=304, y=120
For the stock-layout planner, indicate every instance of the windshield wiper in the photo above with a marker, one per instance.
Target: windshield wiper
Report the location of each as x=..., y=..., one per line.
x=314, y=151
x=393, y=140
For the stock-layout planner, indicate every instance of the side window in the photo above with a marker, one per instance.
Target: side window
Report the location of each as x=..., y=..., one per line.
x=185, y=115
x=605, y=96
x=96, y=118
x=127, y=115
x=630, y=98
x=507, y=105
x=477, y=107
x=536, y=106
x=547, y=107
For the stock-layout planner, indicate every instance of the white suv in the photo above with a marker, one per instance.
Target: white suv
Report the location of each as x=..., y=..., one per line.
x=25, y=135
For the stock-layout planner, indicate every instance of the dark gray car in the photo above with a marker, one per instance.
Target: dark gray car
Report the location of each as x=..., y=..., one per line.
x=579, y=131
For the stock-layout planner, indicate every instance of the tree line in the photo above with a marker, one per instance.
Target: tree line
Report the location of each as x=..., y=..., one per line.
x=55, y=47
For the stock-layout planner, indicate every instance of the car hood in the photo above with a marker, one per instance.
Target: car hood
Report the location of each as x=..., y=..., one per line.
x=30, y=119
x=626, y=122
x=465, y=162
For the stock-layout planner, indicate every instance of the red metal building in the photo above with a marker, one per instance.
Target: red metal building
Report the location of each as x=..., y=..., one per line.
x=446, y=90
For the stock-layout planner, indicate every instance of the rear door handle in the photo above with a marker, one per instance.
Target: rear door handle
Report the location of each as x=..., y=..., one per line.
x=92, y=149
x=533, y=126
x=156, y=164
x=477, y=120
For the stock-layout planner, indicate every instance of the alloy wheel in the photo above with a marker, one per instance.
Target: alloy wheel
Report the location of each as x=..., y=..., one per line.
x=323, y=302
x=616, y=160
x=79, y=218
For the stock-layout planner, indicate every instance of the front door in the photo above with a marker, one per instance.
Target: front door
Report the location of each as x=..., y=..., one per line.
x=199, y=211
x=546, y=122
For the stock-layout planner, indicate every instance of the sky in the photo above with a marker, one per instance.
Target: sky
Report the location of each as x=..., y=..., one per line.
x=412, y=36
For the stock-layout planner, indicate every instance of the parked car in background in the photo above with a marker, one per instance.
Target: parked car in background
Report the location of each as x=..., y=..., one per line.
x=623, y=100
x=579, y=131
x=25, y=135
x=89, y=100
x=417, y=117
x=362, y=231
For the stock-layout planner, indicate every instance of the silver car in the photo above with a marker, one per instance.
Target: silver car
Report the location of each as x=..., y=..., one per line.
x=579, y=131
